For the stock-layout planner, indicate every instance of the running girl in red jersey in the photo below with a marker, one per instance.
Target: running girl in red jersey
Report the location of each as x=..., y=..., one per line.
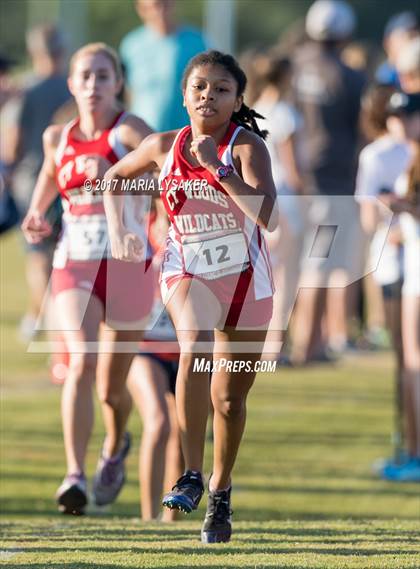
x=217, y=188
x=96, y=297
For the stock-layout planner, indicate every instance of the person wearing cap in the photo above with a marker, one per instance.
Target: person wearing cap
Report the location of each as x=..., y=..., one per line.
x=399, y=30
x=327, y=94
x=408, y=66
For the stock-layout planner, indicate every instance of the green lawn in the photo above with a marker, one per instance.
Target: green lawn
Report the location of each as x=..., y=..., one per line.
x=304, y=495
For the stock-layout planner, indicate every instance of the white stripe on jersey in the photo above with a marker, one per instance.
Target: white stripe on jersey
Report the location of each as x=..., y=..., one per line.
x=263, y=282
x=169, y=160
x=263, y=279
x=172, y=264
x=227, y=156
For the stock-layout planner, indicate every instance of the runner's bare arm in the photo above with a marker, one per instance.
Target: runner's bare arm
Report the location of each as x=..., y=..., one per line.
x=130, y=134
x=149, y=155
x=133, y=131
x=255, y=179
x=46, y=190
x=34, y=226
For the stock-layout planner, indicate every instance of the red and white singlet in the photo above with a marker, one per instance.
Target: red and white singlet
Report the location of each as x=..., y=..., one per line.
x=211, y=238
x=82, y=258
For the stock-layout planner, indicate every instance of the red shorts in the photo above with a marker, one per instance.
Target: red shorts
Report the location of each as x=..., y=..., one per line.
x=246, y=299
x=244, y=310
x=249, y=314
x=126, y=290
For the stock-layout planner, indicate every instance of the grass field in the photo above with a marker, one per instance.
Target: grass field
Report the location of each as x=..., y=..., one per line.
x=304, y=494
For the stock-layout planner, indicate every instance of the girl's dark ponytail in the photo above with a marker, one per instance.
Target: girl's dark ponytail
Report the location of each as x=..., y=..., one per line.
x=246, y=117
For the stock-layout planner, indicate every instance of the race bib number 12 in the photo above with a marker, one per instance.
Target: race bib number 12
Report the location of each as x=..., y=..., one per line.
x=219, y=256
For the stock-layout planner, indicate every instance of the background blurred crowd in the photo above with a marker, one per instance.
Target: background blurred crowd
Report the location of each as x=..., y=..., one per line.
x=342, y=121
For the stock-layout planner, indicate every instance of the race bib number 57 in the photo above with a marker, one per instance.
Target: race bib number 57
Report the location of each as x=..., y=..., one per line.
x=88, y=239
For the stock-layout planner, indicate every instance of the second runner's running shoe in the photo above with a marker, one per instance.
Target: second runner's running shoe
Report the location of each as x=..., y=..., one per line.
x=186, y=494
x=110, y=475
x=72, y=495
x=217, y=527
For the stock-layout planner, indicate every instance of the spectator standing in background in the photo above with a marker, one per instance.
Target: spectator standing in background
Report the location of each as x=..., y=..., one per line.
x=9, y=215
x=34, y=112
x=154, y=56
x=381, y=162
x=408, y=66
x=400, y=29
x=327, y=94
x=284, y=125
x=7, y=88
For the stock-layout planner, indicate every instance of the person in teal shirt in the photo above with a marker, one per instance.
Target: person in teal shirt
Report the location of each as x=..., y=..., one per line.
x=154, y=57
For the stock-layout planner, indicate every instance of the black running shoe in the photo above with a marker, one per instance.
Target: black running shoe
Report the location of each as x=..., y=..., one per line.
x=72, y=495
x=186, y=494
x=217, y=525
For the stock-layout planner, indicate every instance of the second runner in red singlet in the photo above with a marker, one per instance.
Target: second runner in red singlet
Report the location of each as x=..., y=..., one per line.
x=99, y=302
x=83, y=257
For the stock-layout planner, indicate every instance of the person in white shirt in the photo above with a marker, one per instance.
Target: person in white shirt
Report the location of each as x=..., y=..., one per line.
x=284, y=144
x=385, y=158
x=380, y=164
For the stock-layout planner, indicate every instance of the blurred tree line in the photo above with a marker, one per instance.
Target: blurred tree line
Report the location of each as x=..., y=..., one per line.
x=259, y=22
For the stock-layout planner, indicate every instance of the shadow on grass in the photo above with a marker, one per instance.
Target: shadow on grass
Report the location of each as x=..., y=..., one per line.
x=287, y=488
x=181, y=565
x=71, y=565
x=252, y=536
x=254, y=566
x=327, y=439
x=102, y=534
x=55, y=478
x=31, y=507
x=284, y=565
x=374, y=533
x=282, y=515
x=18, y=475
x=201, y=549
